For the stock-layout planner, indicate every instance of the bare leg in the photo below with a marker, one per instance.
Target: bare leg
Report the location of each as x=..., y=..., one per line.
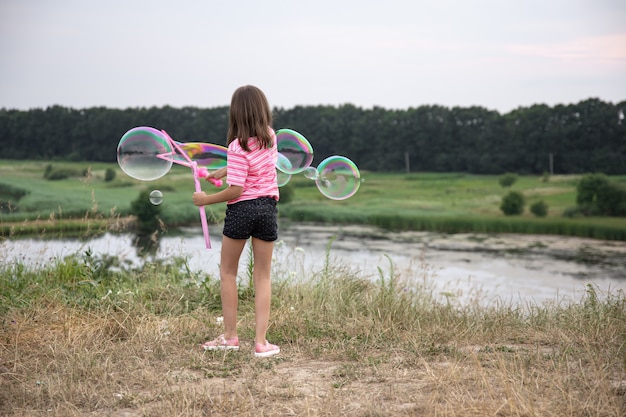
x=262, y=251
x=229, y=263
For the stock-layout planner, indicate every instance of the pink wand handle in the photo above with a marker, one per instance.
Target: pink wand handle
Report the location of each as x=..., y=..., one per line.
x=203, y=173
x=215, y=181
x=205, y=227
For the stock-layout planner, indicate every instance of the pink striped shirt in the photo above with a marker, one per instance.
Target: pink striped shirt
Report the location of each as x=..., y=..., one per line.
x=255, y=171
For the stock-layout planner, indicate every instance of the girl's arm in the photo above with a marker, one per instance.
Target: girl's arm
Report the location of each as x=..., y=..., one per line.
x=217, y=174
x=230, y=193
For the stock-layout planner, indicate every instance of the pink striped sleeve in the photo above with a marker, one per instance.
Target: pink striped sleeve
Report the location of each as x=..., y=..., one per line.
x=237, y=168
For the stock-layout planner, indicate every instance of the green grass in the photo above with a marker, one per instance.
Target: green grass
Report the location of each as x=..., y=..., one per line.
x=446, y=194
x=445, y=202
x=453, y=203
x=89, y=196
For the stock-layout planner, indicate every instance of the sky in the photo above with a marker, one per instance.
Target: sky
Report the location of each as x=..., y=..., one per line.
x=394, y=54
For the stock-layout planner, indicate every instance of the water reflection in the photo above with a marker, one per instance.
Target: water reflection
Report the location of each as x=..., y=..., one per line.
x=147, y=245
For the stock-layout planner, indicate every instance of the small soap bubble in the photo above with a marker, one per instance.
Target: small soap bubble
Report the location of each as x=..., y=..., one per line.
x=311, y=173
x=156, y=197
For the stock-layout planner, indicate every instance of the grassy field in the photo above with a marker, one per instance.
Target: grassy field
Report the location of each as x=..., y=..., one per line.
x=87, y=336
x=451, y=202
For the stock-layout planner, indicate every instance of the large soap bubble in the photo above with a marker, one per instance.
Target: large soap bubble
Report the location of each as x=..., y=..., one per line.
x=138, y=150
x=338, y=178
x=296, y=153
x=206, y=155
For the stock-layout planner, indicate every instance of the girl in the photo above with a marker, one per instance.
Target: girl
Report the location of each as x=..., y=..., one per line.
x=251, y=211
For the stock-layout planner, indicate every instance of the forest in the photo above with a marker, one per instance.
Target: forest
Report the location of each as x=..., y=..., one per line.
x=588, y=136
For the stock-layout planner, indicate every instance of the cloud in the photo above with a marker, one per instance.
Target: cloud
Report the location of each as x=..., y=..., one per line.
x=606, y=53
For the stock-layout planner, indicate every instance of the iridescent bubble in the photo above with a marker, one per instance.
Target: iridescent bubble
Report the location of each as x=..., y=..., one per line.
x=282, y=178
x=138, y=150
x=338, y=178
x=311, y=173
x=156, y=197
x=296, y=149
x=283, y=163
x=207, y=155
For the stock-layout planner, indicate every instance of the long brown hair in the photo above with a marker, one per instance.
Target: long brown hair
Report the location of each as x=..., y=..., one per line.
x=250, y=116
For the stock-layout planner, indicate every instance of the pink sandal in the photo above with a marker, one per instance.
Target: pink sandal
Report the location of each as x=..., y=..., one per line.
x=264, y=350
x=221, y=343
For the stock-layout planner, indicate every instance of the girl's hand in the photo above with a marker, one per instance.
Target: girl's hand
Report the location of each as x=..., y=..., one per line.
x=213, y=177
x=199, y=198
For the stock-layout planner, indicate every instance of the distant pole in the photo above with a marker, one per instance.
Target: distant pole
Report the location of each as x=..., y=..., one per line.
x=551, y=164
x=406, y=162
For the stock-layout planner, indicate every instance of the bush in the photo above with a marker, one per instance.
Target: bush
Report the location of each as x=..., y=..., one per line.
x=513, y=203
x=53, y=174
x=47, y=171
x=147, y=213
x=507, y=180
x=109, y=175
x=12, y=191
x=61, y=174
x=598, y=196
x=612, y=200
x=8, y=196
x=587, y=189
x=539, y=209
x=573, y=212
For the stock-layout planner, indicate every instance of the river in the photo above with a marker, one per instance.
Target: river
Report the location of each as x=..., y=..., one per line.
x=502, y=269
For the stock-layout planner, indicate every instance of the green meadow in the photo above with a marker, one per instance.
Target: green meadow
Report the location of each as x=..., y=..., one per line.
x=443, y=202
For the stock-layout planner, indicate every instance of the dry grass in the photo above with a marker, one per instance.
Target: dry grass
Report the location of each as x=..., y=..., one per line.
x=349, y=348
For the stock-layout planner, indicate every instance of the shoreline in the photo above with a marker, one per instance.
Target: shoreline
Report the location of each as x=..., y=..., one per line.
x=351, y=237
x=575, y=249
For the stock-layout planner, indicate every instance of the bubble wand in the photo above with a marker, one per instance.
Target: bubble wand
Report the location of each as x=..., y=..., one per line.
x=147, y=154
x=196, y=178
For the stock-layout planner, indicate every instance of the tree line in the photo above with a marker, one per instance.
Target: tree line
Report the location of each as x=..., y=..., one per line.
x=589, y=136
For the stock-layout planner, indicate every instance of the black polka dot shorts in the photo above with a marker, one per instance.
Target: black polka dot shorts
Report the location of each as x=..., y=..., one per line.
x=257, y=218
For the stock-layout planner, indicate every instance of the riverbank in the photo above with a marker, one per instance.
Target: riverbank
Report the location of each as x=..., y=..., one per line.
x=610, y=254
x=516, y=268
